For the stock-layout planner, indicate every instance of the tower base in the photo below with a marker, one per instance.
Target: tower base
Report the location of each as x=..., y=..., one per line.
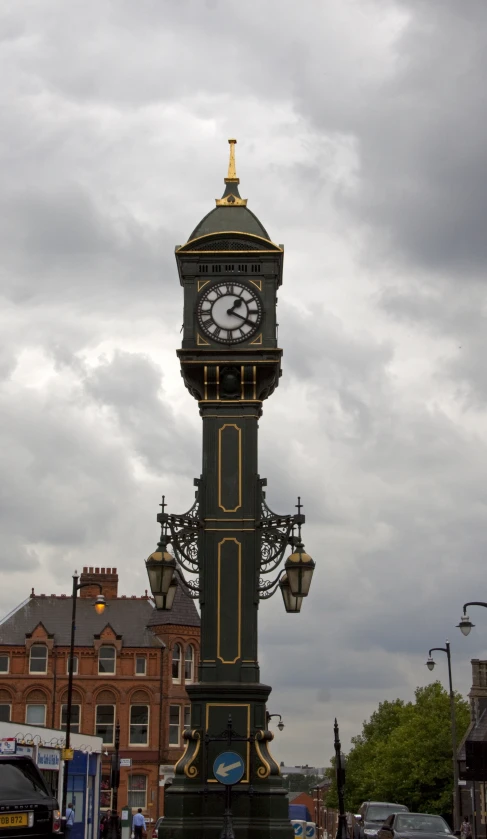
x=195, y=803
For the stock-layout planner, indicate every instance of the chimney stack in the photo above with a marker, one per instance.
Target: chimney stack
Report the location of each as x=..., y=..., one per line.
x=106, y=577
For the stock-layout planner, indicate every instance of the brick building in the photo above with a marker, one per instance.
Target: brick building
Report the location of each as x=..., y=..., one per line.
x=473, y=790
x=131, y=666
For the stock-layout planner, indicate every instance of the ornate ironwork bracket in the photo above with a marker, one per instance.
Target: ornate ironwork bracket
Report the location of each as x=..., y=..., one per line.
x=277, y=534
x=183, y=533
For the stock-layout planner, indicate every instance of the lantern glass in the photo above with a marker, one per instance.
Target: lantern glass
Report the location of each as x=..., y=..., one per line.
x=430, y=663
x=299, y=570
x=291, y=602
x=165, y=601
x=160, y=570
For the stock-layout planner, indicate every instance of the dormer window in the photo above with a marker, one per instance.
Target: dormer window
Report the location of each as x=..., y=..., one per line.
x=38, y=658
x=107, y=658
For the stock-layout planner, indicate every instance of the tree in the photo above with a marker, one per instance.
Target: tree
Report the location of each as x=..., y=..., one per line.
x=404, y=754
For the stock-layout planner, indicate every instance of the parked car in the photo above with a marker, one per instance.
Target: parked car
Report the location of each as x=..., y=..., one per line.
x=420, y=825
x=372, y=815
x=28, y=810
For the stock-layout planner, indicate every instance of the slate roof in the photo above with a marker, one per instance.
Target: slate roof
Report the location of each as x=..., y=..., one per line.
x=476, y=731
x=128, y=617
x=183, y=612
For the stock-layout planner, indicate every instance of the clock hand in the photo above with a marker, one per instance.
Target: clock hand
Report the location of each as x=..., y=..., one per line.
x=237, y=303
x=245, y=320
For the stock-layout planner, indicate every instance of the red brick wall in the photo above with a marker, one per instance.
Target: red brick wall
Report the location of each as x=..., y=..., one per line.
x=18, y=686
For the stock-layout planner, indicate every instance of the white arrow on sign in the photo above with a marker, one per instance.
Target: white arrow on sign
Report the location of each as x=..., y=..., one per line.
x=224, y=770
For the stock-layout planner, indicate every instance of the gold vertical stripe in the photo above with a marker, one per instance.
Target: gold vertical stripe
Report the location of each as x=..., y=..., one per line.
x=205, y=373
x=220, y=503
x=255, y=381
x=239, y=607
x=218, y=381
x=242, y=393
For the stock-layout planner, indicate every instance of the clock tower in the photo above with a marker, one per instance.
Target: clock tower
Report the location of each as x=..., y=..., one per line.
x=232, y=542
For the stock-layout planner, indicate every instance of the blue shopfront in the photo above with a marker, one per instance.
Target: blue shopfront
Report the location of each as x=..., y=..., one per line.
x=83, y=777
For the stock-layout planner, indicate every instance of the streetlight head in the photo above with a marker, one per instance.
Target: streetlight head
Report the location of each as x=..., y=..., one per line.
x=299, y=569
x=291, y=602
x=430, y=663
x=280, y=725
x=100, y=604
x=465, y=624
x=160, y=569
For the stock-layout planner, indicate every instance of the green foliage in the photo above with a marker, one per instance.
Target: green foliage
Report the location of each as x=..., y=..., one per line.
x=404, y=754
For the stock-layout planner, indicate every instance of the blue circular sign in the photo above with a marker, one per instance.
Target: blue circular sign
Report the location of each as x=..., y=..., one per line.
x=298, y=829
x=228, y=768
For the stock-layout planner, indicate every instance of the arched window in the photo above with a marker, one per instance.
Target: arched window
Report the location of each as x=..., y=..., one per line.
x=107, y=658
x=176, y=663
x=38, y=658
x=189, y=664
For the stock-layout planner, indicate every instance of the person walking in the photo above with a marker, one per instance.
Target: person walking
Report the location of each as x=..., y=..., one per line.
x=69, y=820
x=139, y=824
x=466, y=829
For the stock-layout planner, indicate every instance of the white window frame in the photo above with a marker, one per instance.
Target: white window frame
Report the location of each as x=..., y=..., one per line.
x=5, y=655
x=108, y=672
x=9, y=706
x=144, y=659
x=139, y=725
x=76, y=665
x=38, y=672
x=129, y=790
x=105, y=705
x=35, y=705
x=173, y=725
x=74, y=705
x=189, y=661
x=176, y=680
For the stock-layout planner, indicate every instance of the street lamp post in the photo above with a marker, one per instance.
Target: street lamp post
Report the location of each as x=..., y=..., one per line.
x=100, y=605
x=430, y=665
x=115, y=783
x=342, y=832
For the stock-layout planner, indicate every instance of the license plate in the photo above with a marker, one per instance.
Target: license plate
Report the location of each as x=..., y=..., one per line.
x=14, y=820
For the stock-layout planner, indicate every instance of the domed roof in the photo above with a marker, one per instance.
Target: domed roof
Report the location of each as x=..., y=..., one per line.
x=230, y=214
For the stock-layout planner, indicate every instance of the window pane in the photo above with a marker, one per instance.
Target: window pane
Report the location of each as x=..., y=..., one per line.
x=75, y=717
x=188, y=664
x=3, y=663
x=137, y=789
x=174, y=722
x=105, y=716
x=176, y=662
x=105, y=791
x=4, y=713
x=35, y=714
x=75, y=664
x=38, y=658
x=106, y=660
x=139, y=724
x=140, y=666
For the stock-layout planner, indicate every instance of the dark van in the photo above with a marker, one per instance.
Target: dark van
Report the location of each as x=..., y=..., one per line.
x=27, y=809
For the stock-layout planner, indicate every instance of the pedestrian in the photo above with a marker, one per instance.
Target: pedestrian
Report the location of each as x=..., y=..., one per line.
x=139, y=824
x=466, y=829
x=104, y=825
x=69, y=820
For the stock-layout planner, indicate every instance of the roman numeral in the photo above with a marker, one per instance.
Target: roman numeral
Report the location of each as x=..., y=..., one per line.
x=229, y=334
x=216, y=333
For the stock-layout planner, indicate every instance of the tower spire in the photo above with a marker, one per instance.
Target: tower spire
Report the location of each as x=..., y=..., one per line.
x=231, y=196
x=232, y=172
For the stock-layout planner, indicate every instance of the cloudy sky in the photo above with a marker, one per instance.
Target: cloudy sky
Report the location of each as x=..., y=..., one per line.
x=361, y=129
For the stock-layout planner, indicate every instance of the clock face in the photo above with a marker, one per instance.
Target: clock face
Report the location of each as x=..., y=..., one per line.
x=229, y=312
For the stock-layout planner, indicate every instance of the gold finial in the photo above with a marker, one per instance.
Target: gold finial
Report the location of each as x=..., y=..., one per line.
x=231, y=197
x=232, y=172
